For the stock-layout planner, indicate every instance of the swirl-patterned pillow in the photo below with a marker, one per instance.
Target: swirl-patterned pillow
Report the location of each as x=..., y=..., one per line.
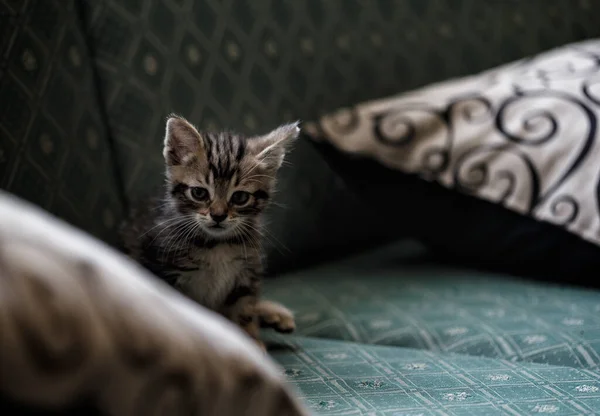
x=523, y=136
x=85, y=331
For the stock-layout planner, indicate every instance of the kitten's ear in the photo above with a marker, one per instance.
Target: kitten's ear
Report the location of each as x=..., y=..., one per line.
x=183, y=143
x=270, y=149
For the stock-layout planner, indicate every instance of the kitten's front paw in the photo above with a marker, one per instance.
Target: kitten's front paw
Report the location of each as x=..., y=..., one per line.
x=276, y=316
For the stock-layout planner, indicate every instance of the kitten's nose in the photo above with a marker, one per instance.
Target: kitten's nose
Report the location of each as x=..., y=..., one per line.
x=218, y=217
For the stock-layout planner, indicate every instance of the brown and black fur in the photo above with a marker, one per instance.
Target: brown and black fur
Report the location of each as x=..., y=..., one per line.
x=209, y=247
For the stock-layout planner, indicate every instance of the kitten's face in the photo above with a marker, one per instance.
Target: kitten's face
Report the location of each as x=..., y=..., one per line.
x=221, y=182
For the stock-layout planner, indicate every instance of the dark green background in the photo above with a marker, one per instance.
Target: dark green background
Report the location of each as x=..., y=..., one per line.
x=247, y=65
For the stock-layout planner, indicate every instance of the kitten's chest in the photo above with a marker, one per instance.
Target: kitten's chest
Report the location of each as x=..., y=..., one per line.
x=215, y=276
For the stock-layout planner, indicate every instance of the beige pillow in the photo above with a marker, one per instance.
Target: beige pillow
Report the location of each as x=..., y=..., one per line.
x=79, y=321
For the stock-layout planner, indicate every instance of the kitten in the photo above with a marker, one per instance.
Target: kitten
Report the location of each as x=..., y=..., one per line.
x=203, y=237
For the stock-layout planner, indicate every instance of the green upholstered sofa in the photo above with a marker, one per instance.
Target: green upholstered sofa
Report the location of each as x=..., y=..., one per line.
x=85, y=87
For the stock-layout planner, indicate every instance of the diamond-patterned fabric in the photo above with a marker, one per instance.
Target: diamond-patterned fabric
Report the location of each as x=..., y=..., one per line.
x=380, y=335
x=53, y=143
x=251, y=65
x=246, y=64
x=345, y=378
x=374, y=300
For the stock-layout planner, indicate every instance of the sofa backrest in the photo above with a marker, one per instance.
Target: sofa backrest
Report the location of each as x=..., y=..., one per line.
x=246, y=65
x=54, y=145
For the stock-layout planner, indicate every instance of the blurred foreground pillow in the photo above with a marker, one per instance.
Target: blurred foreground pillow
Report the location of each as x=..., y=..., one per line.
x=85, y=331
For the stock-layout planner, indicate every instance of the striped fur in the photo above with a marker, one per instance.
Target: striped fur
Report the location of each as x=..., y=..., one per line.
x=198, y=237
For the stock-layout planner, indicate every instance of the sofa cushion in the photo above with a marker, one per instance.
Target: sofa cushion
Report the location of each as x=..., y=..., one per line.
x=376, y=298
x=346, y=378
x=522, y=136
x=54, y=145
x=84, y=328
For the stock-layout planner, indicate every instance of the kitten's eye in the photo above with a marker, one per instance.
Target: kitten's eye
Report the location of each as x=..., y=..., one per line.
x=240, y=197
x=199, y=194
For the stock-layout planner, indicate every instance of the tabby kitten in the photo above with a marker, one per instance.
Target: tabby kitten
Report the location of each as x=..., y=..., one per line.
x=203, y=237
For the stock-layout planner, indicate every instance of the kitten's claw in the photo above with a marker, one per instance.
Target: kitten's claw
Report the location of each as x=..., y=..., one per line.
x=276, y=316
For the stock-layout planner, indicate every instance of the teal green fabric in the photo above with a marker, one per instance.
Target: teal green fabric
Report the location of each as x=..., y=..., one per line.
x=385, y=333
x=54, y=148
x=251, y=65
x=345, y=378
x=375, y=299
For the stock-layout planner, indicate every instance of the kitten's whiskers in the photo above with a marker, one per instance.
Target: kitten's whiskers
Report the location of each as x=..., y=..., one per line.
x=173, y=237
x=160, y=224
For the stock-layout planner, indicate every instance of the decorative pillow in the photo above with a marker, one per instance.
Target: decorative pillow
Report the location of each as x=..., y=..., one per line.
x=523, y=136
x=84, y=328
